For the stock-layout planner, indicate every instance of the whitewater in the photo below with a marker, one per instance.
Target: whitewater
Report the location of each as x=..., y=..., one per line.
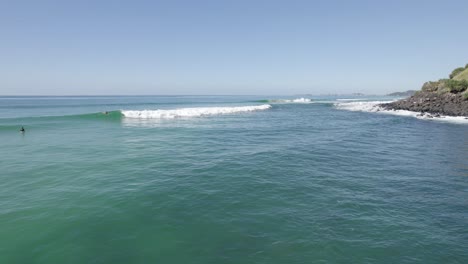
x=301, y=100
x=191, y=112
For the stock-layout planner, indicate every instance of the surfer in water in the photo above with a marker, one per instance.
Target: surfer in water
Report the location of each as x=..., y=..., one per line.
x=22, y=130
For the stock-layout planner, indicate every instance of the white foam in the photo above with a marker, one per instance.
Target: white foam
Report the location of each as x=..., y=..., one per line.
x=301, y=100
x=373, y=106
x=191, y=112
x=363, y=106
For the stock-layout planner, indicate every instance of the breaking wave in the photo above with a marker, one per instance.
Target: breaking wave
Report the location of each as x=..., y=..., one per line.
x=191, y=112
x=374, y=106
x=291, y=101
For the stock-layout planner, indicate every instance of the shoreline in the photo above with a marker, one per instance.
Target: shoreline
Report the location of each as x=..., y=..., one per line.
x=433, y=103
x=381, y=107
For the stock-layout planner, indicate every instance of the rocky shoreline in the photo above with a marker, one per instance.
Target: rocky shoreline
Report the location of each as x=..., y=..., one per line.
x=443, y=97
x=433, y=103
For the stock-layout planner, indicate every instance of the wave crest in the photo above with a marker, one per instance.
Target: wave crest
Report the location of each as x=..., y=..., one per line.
x=191, y=112
x=301, y=100
x=366, y=106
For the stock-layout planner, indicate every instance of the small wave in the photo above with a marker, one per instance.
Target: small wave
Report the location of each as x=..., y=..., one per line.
x=191, y=112
x=9, y=128
x=291, y=101
x=107, y=115
x=374, y=106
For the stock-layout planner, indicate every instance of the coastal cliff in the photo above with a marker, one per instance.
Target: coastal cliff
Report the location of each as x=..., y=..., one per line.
x=443, y=97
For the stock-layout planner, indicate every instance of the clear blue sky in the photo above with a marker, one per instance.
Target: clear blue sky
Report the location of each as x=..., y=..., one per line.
x=228, y=47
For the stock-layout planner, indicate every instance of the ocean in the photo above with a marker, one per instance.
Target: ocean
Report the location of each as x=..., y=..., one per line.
x=229, y=179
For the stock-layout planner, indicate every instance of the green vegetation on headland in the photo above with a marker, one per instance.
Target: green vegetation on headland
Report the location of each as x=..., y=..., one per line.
x=445, y=96
x=460, y=73
x=458, y=83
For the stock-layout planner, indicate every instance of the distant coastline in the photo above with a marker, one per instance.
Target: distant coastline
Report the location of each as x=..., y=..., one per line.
x=403, y=94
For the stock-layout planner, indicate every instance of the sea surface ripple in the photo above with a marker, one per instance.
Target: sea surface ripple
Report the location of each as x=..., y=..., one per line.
x=291, y=183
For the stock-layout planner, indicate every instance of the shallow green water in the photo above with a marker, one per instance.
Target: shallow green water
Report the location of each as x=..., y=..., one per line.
x=295, y=183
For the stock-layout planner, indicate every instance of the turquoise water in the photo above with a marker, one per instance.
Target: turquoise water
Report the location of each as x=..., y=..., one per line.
x=292, y=183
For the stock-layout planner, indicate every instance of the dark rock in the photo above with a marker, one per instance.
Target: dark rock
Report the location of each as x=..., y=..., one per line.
x=440, y=103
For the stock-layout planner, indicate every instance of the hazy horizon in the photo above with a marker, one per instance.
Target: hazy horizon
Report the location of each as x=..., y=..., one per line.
x=228, y=48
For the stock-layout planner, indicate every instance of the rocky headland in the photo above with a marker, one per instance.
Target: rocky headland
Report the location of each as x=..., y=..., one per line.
x=444, y=97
